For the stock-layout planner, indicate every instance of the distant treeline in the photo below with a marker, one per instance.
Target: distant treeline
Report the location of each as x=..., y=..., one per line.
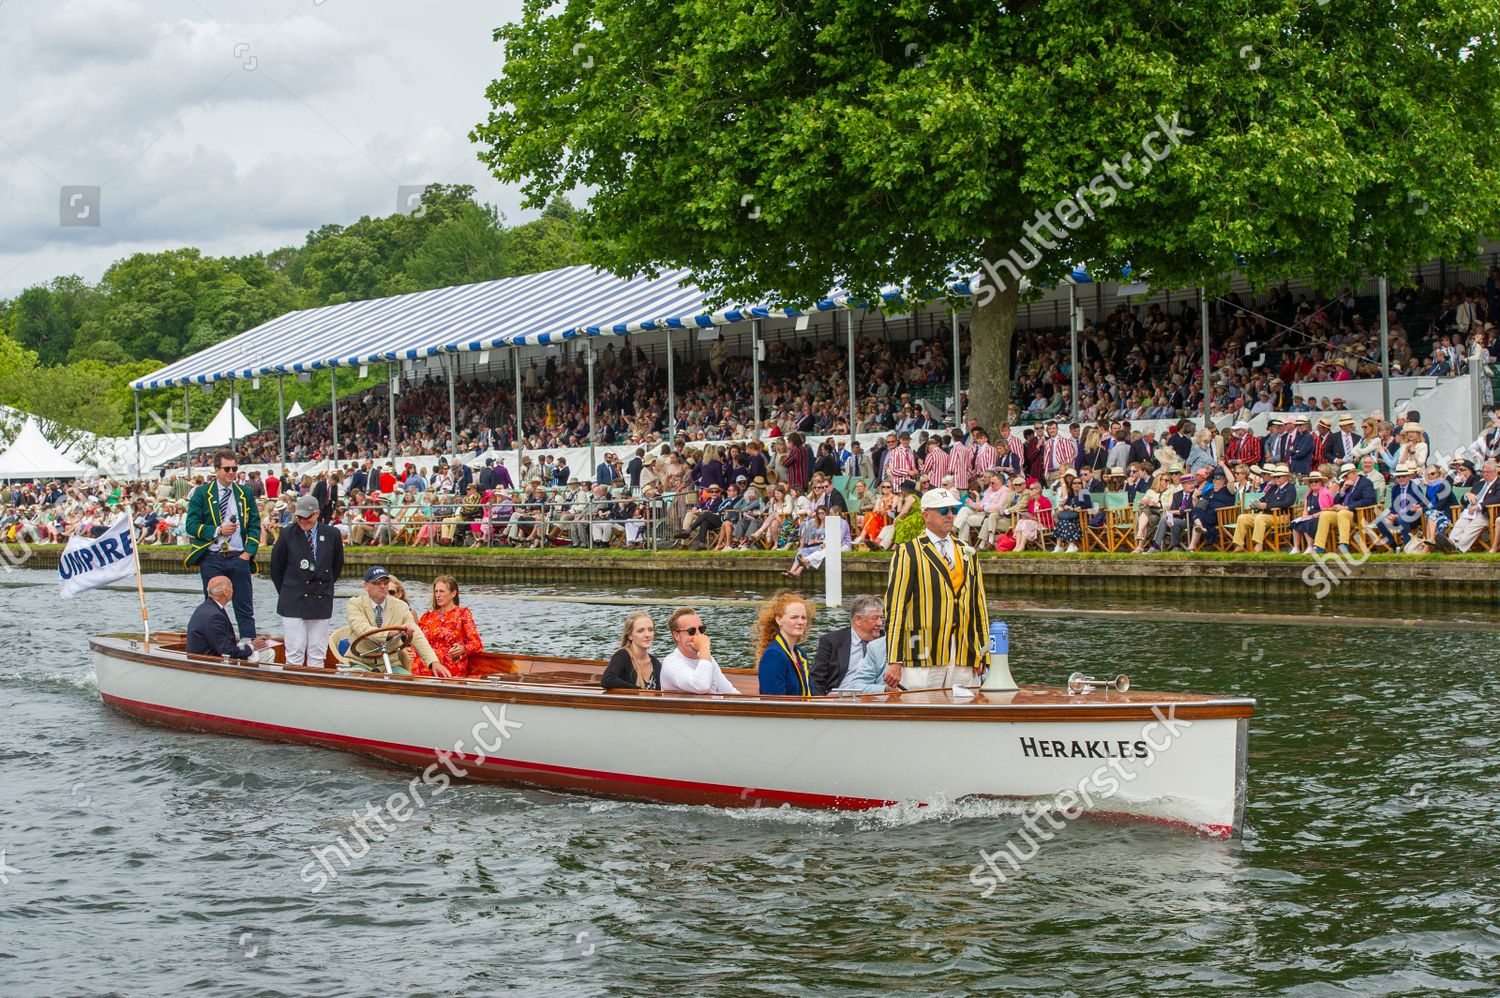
x=68, y=348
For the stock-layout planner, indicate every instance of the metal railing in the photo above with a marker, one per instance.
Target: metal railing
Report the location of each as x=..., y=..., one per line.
x=438, y=520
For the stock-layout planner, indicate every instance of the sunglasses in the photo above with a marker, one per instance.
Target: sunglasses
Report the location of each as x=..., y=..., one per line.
x=229, y=467
x=947, y=510
x=692, y=631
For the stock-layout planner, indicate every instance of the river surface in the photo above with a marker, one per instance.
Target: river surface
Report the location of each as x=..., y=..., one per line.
x=144, y=861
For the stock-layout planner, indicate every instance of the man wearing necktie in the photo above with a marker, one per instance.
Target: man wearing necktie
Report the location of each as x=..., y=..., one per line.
x=938, y=626
x=223, y=529
x=378, y=608
x=305, y=564
x=842, y=652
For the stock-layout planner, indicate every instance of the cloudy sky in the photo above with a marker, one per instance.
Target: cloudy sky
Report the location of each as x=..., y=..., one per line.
x=232, y=127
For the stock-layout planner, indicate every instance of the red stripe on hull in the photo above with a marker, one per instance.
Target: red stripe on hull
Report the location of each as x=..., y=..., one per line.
x=651, y=788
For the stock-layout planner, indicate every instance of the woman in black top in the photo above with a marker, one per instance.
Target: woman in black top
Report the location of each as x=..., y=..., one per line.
x=633, y=667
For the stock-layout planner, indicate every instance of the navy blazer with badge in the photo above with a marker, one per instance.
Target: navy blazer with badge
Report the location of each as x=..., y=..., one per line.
x=210, y=633
x=1280, y=497
x=1362, y=494
x=306, y=593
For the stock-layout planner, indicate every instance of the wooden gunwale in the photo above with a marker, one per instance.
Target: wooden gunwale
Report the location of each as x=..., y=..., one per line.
x=1043, y=704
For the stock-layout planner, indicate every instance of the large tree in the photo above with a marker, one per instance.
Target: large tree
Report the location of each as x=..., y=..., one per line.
x=779, y=150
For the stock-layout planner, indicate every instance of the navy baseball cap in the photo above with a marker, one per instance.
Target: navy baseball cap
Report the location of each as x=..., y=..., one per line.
x=376, y=573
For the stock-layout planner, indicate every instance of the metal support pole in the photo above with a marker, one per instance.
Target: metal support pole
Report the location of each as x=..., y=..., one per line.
x=671, y=394
x=333, y=394
x=515, y=355
x=853, y=388
x=755, y=373
x=1203, y=317
x=187, y=422
x=1073, y=343
x=453, y=408
x=234, y=406
x=1385, y=356
x=139, y=471
x=588, y=362
x=390, y=392
x=958, y=394
x=281, y=418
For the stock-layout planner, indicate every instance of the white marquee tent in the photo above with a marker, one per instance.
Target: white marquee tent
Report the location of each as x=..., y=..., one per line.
x=30, y=455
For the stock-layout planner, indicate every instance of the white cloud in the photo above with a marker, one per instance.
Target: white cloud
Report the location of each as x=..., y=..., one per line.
x=231, y=131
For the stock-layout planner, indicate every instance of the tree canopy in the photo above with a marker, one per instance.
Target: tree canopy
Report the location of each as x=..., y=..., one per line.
x=778, y=151
x=68, y=348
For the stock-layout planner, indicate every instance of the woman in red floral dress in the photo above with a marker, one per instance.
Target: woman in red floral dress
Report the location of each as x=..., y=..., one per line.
x=449, y=628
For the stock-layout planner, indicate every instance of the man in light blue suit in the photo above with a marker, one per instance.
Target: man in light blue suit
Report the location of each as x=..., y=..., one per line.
x=865, y=675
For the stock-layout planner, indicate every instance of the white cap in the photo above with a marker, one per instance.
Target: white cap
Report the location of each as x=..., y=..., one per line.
x=1241, y=425
x=938, y=498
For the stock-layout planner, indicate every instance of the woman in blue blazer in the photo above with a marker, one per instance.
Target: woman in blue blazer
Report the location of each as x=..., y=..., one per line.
x=779, y=629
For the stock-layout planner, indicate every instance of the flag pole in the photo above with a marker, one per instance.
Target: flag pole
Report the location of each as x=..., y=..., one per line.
x=140, y=586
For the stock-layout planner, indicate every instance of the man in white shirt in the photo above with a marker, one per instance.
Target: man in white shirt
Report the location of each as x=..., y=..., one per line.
x=691, y=667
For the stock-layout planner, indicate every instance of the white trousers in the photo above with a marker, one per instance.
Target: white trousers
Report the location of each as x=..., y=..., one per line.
x=305, y=639
x=936, y=677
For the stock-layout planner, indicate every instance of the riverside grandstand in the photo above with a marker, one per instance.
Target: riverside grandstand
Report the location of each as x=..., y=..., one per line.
x=729, y=429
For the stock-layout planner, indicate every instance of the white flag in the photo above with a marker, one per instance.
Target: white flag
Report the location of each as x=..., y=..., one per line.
x=87, y=563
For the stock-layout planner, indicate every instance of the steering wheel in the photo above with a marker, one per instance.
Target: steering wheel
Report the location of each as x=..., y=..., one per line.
x=380, y=642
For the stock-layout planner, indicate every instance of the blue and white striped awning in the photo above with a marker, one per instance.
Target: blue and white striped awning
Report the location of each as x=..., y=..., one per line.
x=535, y=308
x=532, y=309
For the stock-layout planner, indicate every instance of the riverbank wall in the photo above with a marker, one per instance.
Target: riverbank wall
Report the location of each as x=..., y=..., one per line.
x=1466, y=580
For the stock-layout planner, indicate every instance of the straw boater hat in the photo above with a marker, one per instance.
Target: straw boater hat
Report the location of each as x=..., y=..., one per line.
x=1345, y=468
x=1116, y=472
x=1346, y=419
x=1412, y=428
x=1301, y=418
x=1404, y=469
x=1279, y=469
x=1316, y=476
x=1324, y=422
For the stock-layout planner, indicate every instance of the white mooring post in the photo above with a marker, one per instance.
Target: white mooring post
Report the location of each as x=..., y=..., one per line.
x=833, y=563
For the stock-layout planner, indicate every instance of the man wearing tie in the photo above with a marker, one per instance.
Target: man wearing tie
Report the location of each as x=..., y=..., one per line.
x=209, y=631
x=934, y=599
x=1339, y=448
x=1272, y=447
x=377, y=608
x=305, y=564
x=223, y=529
x=842, y=653
x=1300, y=447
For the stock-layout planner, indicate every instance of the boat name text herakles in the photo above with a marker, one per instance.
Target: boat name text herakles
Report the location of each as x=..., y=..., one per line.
x=1034, y=748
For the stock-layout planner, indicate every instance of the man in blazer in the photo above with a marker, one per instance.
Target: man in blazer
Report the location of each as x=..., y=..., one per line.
x=1279, y=497
x=844, y=649
x=378, y=608
x=223, y=530
x=1299, y=447
x=1355, y=493
x=1340, y=445
x=306, y=561
x=209, y=631
x=1405, y=505
x=934, y=604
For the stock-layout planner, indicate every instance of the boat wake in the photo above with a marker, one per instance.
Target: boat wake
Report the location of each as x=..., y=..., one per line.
x=898, y=815
x=85, y=682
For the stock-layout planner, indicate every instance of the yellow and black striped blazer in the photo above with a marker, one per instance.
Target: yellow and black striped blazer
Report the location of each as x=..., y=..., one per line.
x=925, y=618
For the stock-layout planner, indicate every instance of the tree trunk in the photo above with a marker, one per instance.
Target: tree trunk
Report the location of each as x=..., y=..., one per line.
x=990, y=332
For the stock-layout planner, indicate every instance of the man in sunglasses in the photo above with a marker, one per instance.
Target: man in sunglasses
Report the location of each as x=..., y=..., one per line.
x=691, y=668
x=937, y=626
x=223, y=529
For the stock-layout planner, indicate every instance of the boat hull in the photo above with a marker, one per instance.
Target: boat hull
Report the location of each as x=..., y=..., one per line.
x=1180, y=763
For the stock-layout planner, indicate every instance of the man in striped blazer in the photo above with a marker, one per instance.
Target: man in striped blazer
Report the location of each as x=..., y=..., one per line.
x=934, y=605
